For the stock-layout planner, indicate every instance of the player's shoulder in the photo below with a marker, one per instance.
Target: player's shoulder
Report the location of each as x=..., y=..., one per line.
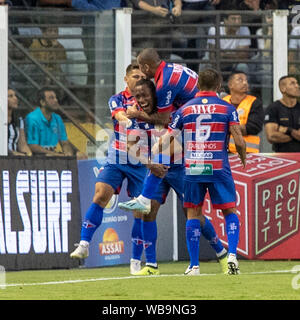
x=116, y=99
x=116, y=96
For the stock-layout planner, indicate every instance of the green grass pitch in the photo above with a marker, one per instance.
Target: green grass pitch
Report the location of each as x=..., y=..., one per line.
x=259, y=280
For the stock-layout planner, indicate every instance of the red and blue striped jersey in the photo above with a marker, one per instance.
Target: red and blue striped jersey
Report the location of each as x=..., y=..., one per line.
x=175, y=86
x=205, y=122
x=117, y=152
x=139, y=130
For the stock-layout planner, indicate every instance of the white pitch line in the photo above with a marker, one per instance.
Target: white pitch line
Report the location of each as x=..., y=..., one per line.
x=130, y=277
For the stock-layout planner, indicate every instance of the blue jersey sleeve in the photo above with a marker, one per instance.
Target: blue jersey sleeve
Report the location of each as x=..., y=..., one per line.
x=177, y=121
x=233, y=116
x=115, y=104
x=165, y=98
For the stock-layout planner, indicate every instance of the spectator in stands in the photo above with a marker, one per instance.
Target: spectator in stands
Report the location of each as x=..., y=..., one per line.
x=236, y=49
x=225, y=5
x=249, y=109
x=294, y=46
x=17, y=144
x=199, y=44
x=5, y=2
x=87, y=5
x=24, y=3
x=262, y=71
x=282, y=125
x=95, y=5
x=48, y=51
x=160, y=14
x=256, y=6
x=199, y=4
x=288, y=4
x=76, y=69
x=45, y=128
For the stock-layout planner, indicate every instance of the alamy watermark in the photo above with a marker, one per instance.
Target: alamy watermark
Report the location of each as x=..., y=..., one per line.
x=296, y=18
x=296, y=279
x=2, y=278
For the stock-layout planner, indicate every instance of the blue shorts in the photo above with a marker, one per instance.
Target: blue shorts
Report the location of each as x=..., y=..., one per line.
x=222, y=194
x=174, y=179
x=114, y=175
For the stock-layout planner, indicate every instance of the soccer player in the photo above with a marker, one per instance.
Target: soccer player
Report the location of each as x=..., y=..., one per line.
x=207, y=122
x=144, y=94
x=175, y=85
x=117, y=168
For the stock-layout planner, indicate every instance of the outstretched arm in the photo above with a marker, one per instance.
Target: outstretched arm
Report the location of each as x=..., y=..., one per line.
x=240, y=143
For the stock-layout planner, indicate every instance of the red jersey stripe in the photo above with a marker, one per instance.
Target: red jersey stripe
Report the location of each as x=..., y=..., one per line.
x=174, y=79
x=191, y=84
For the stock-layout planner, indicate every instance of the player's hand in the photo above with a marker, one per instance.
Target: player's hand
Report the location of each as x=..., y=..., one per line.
x=132, y=112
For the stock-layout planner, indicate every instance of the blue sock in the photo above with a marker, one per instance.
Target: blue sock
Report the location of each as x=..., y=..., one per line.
x=232, y=231
x=150, y=186
x=92, y=221
x=137, y=239
x=209, y=234
x=149, y=229
x=192, y=240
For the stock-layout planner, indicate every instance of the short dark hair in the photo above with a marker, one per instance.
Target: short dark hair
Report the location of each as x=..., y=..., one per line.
x=235, y=73
x=149, y=84
x=41, y=93
x=132, y=67
x=283, y=78
x=209, y=80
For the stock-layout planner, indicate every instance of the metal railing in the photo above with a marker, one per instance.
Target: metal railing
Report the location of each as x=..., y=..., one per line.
x=61, y=49
x=82, y=61
x=186, y=40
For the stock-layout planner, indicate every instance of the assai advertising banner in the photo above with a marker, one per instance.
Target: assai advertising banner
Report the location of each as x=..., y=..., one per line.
x=111, y=243
x=39, y=212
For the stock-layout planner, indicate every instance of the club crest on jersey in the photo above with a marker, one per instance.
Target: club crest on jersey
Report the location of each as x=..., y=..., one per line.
x=137, y=241
x=114, y=104
x=87, y=224
x=204, y=101
x=147, y=244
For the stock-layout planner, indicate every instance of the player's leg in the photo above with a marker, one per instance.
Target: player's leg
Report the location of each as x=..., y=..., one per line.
x=149, y=228
x=93, y=219
x=223, y=197
x=192, y=233
x=137, y=243
x=135, y=176
x=149, y=233
x=209, y=233
x=175, y=178
x=108, y=180
x=232, y=225
x=194, y=194
x=151, y=184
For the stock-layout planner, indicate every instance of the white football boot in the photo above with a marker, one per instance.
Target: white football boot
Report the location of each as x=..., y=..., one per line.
x=81, y=252
x=135, y=266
